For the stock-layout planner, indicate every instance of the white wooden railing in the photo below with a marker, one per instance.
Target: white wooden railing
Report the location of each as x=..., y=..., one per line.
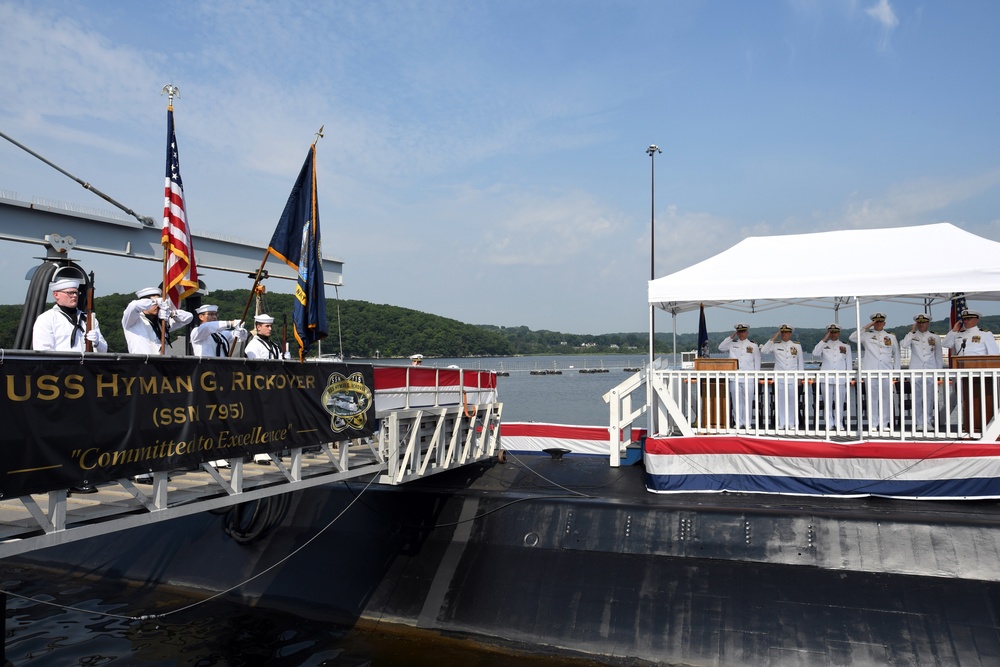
x=957, y=404
x=428, y=425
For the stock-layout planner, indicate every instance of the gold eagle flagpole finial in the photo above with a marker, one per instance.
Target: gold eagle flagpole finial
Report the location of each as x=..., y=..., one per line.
x=171, y=91
x=319, y=134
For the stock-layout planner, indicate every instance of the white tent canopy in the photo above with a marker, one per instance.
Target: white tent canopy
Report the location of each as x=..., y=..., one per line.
x=926, y=265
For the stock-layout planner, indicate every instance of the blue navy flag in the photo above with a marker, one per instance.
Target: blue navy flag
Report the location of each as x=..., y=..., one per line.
x=296, y=242
x=702, y=334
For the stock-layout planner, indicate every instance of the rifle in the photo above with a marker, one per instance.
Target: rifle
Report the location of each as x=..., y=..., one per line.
x=90, y=311
x=284, y=332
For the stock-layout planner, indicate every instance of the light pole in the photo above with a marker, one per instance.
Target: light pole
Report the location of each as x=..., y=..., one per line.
x=651, y=152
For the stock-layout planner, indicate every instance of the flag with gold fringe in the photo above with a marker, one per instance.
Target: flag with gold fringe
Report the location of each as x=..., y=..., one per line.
x=296, y=242
x=180, y=273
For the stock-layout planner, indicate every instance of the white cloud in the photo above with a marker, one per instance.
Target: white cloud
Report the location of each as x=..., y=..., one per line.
x=915, y=202
x=882, y=12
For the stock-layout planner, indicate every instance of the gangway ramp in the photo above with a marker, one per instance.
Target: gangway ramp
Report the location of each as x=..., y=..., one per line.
x=427, y=422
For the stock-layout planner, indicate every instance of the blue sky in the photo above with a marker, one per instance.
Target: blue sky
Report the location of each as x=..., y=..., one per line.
x=486, y=161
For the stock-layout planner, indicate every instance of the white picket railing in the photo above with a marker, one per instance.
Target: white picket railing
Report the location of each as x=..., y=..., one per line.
x=956, y=404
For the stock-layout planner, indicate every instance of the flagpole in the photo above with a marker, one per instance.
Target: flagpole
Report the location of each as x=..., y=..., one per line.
x=246, y=308
x=171, y=92
x=260, y=271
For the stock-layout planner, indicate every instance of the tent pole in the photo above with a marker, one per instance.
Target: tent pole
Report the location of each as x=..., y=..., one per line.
x=675, y=341
x=857, y=372
x=650, y=412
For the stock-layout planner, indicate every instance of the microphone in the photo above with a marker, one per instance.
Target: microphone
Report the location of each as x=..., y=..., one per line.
x=962, y=349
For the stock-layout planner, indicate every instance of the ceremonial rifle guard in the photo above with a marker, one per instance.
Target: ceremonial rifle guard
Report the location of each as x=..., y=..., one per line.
x=64, y=326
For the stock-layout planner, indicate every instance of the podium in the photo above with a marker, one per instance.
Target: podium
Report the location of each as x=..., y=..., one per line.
x=714, y=393
x=977, y=393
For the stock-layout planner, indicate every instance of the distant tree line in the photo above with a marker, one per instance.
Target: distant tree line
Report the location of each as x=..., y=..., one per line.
x=367, y=330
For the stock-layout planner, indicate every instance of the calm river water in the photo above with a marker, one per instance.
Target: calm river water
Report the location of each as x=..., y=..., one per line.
x=223, y=634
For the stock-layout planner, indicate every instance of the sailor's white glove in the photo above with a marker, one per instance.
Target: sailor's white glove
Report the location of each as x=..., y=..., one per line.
x=286, y=355
x=239, y=332
x=92, y=336
x=165, y=309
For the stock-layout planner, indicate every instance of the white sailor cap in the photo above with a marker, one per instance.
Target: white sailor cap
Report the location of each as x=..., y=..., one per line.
x=785, y=327
x=65, y=283
x=742, y=327
x=147, y=292
x=416, y=356
x=969, y=313
x=920, y=317
x=878, y=317
x=207, y=308
x=833, y=326
x=263, y=319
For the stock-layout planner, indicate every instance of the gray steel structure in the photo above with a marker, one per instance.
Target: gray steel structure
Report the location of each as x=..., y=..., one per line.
x=61, y=230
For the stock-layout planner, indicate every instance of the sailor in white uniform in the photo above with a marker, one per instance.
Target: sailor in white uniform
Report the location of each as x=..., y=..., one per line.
x=141, y=320
x=881, y=353
x=64, y=326
x=261, y=346
x=212, y=337
x=835, y=355
x=966, y=339
x=787, y=357
x=925, y=354
x=743, y=391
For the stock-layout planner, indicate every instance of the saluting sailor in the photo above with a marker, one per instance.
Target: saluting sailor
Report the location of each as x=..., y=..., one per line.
x=141, y=320
x=212, y=337
x=835, y=355
x=787, y=357
x=925, y=354
x=967, y=339
x=881, y=353
x=64, y=326
x=742, y=391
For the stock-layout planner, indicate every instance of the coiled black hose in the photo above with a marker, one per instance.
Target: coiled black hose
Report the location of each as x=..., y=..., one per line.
x=252, y=520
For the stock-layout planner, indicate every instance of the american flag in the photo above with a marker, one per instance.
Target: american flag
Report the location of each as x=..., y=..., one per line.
x=958, y=306
x=180, y=272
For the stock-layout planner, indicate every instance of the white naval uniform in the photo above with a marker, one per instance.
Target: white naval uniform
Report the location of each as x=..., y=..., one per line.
x=53, y=330
x=743, y=392
x=141, y=336
x=787, y=357
x=212, y=339
x=259, y=348
x=835, y=355
x=881, y=352
x=971, y=342
x=925, y=354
